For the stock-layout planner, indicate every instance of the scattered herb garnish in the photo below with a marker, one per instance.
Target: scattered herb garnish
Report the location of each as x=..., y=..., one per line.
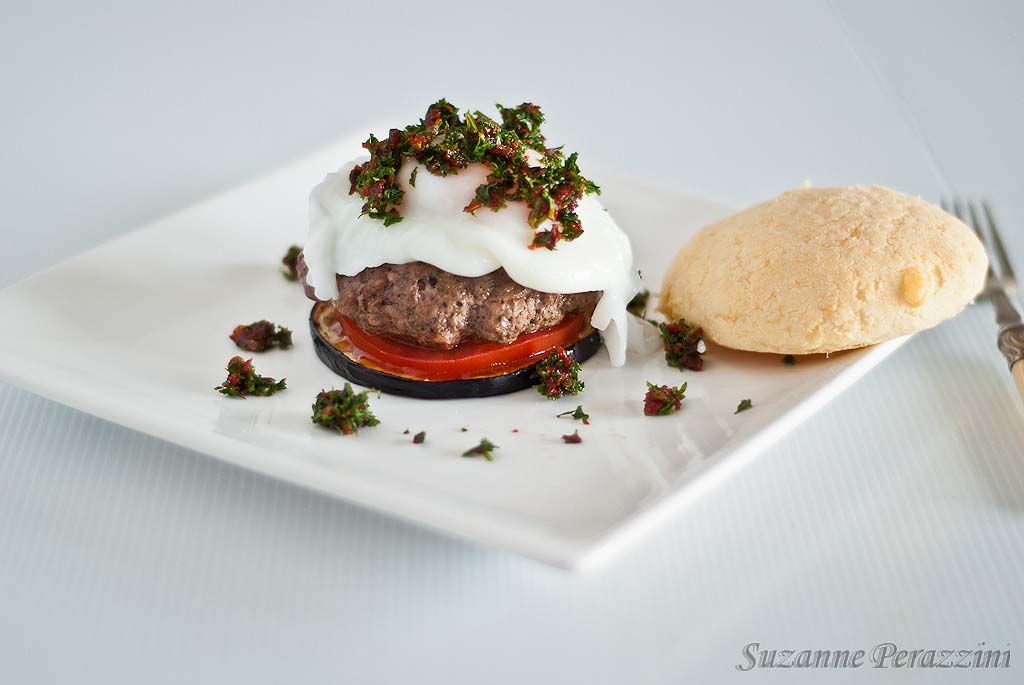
x=789, y=360
x=485, y=449
x=260, y=336
x=559, y=374
x=291, y=263
x=662, y=400
x=343, y=410
x=464, y=429
x=419, y=438
x=573, y=438
x=577, y=414
x=684, y=345
x=743, y=406
x=638, y=305
x=243, y=381
x=405, y=432
x=444, y=143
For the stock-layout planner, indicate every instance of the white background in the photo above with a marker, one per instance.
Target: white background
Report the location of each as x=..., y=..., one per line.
x=896, y=514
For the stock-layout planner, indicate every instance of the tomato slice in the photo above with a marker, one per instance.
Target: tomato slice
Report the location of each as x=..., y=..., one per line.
x=469, y=360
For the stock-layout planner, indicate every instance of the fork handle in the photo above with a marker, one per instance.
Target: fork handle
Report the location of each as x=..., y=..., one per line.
x=1018, y=375
x=1011, y=344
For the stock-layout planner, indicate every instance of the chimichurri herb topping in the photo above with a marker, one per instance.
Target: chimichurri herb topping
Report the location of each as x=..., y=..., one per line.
x=243, y=381
x=444, y=143
x=573, y=438
x=559, y=374
x=291, y=263
x=662, y=400
x=346, y=411
x=684, y=345
x=577, y=414
x=260, y=336
x=485, y=449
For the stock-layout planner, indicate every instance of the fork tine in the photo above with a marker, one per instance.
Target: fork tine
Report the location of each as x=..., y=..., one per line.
x=975, y=222
x=954, y=208
x=1005, y=267
x=957, y=207
x=970, y=217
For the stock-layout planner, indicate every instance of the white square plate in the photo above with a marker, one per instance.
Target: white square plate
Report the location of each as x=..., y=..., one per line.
x=135, y=331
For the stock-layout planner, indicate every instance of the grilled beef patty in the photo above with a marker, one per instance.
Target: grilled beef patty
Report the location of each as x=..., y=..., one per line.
x=422, y=304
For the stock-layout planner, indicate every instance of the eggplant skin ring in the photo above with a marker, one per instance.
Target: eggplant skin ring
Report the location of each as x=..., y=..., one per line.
x=348, y=368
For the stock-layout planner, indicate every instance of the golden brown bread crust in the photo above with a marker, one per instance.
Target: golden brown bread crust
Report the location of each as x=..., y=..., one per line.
x=825, y=269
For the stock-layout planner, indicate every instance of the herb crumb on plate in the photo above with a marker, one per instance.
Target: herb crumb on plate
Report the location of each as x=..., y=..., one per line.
x=662, y=400
x=578, y=414
x=345, y=410
x=573, y=438
x=485, y=449
x=243, y=381
x=260, y=336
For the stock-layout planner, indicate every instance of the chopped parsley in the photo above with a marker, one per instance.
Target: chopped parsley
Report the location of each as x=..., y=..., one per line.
x=291, y=263
x=260, y=336
x=243, y=381
x=485, y=449
x=559, y=374
x=638, y=305
x=789, y=360
x=684, y=345
x=445, y=142
x=419, y=438
x=577, y=414
x=573, y=438
x=662, y=400
x=743, y=406
x=346, y=411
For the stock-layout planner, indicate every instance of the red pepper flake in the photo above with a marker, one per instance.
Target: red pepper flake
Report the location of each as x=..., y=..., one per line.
x=260, y=336
x=515, y=430
x=662, y=400
x=291, y=263
x=464, y=429
x=243, y=381
x=346, y=411
x=419, y=438
x=559, y=374
x=573, y=439
x=684, y=345
x=445, y=142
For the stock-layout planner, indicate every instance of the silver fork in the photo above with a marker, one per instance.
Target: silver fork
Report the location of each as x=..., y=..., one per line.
x=998, y=285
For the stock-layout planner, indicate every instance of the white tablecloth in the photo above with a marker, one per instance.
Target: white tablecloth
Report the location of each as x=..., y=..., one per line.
x=894, y=515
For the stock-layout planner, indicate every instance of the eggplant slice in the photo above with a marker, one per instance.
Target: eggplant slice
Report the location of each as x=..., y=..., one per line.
x=346, y=367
